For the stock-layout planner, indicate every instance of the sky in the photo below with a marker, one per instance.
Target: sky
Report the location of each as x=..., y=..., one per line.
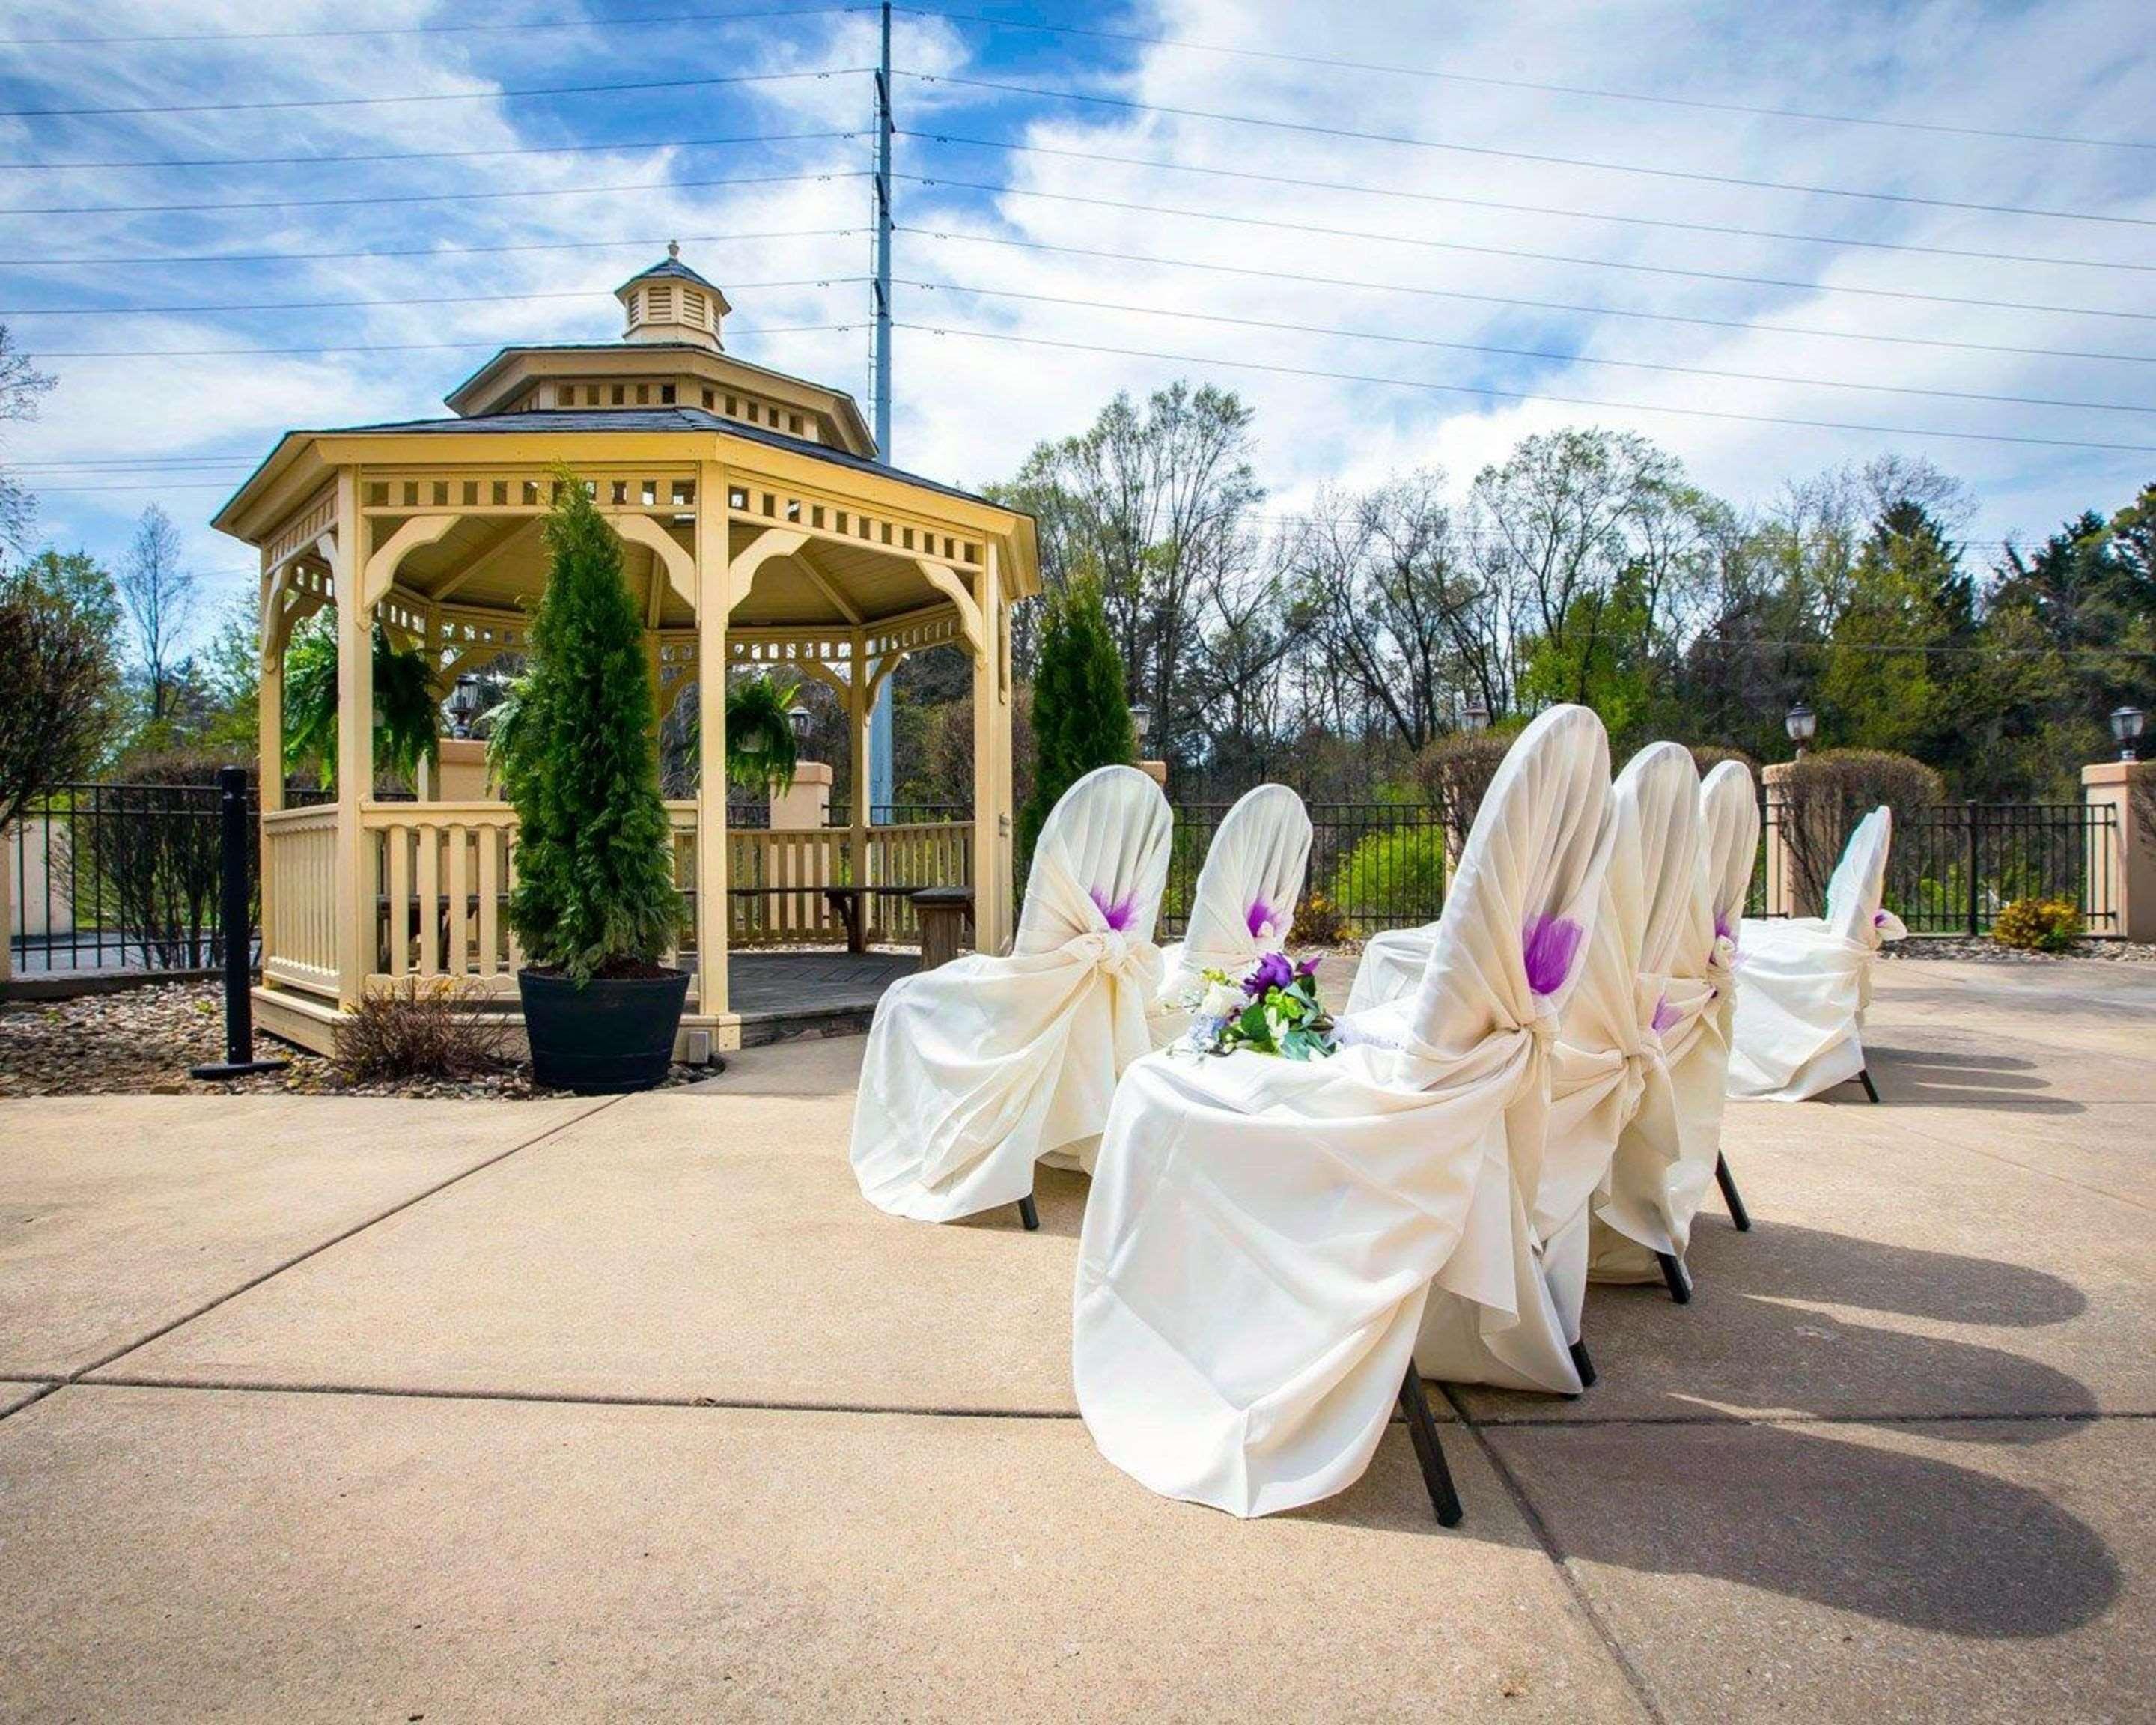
x=1408, y=236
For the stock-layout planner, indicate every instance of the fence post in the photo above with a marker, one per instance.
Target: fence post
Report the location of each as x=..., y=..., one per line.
x=236, y=928
x=1968, y=812
x=8, y=842
x=2128, y=789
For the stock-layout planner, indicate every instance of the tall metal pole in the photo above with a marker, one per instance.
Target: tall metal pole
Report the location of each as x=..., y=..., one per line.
x=880, y=776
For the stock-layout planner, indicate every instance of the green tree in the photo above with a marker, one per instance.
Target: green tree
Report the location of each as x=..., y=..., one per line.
x=1080, y=718
x=594, y=892
x=61, y=693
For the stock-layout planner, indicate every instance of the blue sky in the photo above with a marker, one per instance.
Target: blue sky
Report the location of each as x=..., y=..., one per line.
x=1277, y=253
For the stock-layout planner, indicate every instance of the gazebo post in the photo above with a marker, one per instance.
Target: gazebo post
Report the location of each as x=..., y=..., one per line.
x=269, y=739
x=858, y=714
x=714, y=602
x=991, y=768
x=355, y=747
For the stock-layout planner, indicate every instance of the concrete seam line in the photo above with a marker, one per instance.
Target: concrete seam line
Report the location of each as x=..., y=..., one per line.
x=276, y=1269
x=565, y=1398
x=1567, y=1577
x=50, y=1389
x=1917, y=1132
x=2074, y=1416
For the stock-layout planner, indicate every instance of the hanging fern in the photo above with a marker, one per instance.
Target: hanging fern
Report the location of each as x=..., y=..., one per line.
x=407, y=727
x=761, y=757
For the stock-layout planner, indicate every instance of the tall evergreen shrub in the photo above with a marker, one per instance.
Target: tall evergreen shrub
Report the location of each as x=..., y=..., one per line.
x=1081, y=718
x=595, y=893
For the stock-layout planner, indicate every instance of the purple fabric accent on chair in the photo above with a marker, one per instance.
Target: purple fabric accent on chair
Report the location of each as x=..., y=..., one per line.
x=1258, y=918
x=1666, y=1017
x=1879, y=919
x=1118, y=913
x=1549, y=944
x=1722, y=931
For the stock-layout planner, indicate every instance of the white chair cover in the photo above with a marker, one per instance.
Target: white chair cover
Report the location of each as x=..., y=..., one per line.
x=1263, y=1233
x=1803, y=983
x=1391, y=966
x=1610, y=1053
x=976, y=1070
x=1244, y=904
x=1666, y=1157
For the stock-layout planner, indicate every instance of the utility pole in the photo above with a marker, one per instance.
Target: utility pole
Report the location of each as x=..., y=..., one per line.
x=881, y=777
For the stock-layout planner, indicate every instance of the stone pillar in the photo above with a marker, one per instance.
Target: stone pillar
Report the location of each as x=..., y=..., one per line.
x=2122, y=864
x=460, y=771
x=1156, y=771
x=806, y=806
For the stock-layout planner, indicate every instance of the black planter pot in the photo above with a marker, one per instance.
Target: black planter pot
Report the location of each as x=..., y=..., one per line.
x=613, y=1033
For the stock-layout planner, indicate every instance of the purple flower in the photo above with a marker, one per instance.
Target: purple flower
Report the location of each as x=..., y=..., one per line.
x=1120, y=912
x=1273, y=971
x=1549, y=944
x=1259, y=918
x=1666, y=1017
x=1307, y=968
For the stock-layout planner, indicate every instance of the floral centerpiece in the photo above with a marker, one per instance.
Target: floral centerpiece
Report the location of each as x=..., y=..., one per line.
x=1274, y=1010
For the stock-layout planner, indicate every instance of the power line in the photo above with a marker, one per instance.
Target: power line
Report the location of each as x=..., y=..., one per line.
x=378, y=156
x=1911, y=431
x=1502, y=251
x=1258, y=323
x=435, y=251
x=448, y=95
x=1622, y=167
x=206, y=38
x=1537, y=209
x=1570, y=90
x=1385, y=287
x=342, y=304
x=312, y=348
x=372, y=200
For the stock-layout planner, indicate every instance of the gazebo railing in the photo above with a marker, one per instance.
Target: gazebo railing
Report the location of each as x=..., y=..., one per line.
x=438, y=877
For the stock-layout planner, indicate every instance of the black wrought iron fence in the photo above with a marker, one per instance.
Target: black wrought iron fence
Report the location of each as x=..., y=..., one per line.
x=1373, y=866
x=118, y=878
x=1953, y=867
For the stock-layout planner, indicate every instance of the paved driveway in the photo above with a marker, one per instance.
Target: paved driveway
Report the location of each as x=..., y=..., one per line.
x=313, y=1408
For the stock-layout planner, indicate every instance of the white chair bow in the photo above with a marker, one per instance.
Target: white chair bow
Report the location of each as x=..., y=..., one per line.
x=1804, y=982
x=977, y=1070
x=1263, y=1233
x=1244, y=903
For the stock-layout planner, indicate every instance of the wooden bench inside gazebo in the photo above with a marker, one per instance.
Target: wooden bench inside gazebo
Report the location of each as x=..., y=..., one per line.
x=760, y=533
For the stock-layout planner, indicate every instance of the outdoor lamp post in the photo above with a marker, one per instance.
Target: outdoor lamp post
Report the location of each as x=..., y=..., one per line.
x=1803, y=725
x=463, y=705
x=1475, y=716
x=1140, y=721
x=798, y=715
x=2126, y=722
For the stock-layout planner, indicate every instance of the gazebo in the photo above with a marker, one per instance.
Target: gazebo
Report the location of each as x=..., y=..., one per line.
x=760, y=532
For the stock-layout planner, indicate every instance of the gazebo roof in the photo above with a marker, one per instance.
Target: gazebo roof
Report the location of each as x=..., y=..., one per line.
x=668, y=267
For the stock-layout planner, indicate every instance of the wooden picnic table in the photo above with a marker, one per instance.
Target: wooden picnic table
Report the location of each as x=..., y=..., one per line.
x=846, y=903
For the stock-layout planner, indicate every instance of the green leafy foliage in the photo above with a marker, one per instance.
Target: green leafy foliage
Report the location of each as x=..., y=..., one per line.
x=60, y=689
x=407, y=713
x=1391, y=878
x=1081, y=718
x=595, y=893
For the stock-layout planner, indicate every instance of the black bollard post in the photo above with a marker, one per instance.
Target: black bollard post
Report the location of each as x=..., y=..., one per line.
x=236, y=926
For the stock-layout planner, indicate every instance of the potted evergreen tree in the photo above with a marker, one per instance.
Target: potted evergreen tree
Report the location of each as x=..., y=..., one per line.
x=594, y=904
x=1081, y=718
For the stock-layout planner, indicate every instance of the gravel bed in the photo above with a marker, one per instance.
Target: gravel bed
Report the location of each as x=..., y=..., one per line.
x=1985, y=951
x=143, y=1040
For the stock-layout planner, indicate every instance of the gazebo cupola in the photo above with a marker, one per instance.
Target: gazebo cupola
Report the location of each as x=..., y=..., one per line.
x=670, y=302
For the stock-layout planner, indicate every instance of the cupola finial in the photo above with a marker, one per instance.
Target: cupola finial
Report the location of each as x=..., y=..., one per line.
x=673, y=248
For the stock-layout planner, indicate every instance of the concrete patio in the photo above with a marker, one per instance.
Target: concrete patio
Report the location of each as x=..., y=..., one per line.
x=316, y=1407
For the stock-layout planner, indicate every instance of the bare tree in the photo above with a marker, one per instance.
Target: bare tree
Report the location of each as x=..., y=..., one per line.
x=22, y=385
x=159, y=591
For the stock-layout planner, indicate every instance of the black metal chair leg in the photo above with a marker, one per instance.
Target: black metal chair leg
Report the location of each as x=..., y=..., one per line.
x=1864, y=1078
x=1028, y=1214
x=1422, y=1433
x=1728, y=1181
x=1583, y=1365
x=1673, y=1273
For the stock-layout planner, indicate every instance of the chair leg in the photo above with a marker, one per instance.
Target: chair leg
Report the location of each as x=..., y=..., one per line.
x=1422, y=1433
x=1028, y=1214
x=1730, y=1196
x=1673, y=1273
x=1864, y=1078
x=1583, y=1365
